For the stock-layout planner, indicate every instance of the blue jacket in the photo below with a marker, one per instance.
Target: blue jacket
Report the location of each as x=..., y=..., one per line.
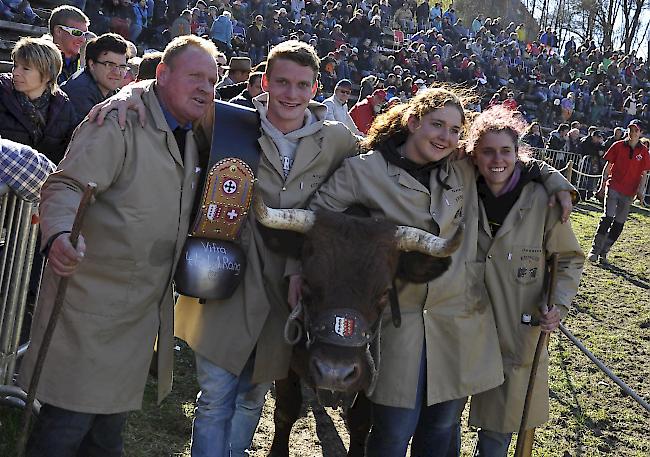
x=141, y=15
x=222, y=30
x=83, y=92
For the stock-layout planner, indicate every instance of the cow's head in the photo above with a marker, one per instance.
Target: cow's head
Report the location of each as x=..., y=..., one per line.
x=348, y=266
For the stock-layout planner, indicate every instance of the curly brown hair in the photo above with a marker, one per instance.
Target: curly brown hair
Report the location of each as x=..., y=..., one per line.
x=395, y=120
x=496, y=119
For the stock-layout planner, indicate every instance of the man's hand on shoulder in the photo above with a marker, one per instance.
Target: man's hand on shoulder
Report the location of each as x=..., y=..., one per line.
x=128, y=98
x=63, y=258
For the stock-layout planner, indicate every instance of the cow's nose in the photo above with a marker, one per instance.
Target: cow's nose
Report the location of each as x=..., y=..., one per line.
x=332, y=376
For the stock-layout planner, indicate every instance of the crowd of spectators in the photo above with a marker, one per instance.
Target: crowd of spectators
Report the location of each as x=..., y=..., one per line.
x=400, y=47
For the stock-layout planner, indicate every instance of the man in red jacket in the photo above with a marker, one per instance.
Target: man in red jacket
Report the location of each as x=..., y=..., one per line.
x=364, y=112
x=624, y=177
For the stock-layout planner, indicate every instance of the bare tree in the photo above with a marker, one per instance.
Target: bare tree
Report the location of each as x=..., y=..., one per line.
x=632, y=12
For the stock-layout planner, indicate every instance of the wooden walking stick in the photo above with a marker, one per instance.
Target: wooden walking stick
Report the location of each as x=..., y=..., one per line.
x=525, y=437
x=51, y=325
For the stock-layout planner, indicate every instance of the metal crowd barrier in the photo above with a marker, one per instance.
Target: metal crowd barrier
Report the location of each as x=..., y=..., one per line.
x=581, y=176
x=17, y=244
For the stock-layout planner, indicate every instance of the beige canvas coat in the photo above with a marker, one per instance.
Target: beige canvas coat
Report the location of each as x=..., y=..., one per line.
x=226, y=331
x=515, y=261
x=450, y=316
x=120, y=298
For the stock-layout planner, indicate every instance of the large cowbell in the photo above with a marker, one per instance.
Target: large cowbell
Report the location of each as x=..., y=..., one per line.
x=212, y=263
x=210, y=269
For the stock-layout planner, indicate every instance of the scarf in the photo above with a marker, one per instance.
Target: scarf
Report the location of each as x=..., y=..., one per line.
x=497, y=207
x=36, y=112
x=287, y=143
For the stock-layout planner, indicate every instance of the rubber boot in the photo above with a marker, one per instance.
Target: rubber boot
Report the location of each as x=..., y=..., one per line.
x=605, y=250
x=597, y=247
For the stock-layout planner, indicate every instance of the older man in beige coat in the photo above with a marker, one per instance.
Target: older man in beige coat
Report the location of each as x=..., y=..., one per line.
x=119, y=298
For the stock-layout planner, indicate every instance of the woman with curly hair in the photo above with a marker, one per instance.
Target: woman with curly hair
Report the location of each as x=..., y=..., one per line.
x=447, y=346
x=517, y=234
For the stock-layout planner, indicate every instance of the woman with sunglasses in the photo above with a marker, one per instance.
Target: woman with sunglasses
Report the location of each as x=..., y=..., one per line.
x=33, y=110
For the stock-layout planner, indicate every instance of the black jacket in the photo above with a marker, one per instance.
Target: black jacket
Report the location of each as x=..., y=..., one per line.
x=61, y=121
x=556, y=143
x=256, y=36
x=243, y=99
x=83, y=92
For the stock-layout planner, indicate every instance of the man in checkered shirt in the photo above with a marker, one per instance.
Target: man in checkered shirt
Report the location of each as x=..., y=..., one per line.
x=23, y=169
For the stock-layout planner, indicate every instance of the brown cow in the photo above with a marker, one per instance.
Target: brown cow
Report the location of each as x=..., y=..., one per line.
x=348, y=266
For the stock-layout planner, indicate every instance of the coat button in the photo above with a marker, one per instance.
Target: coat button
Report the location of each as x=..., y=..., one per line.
x=490, y=256
x=284, y=188
x=425, y=311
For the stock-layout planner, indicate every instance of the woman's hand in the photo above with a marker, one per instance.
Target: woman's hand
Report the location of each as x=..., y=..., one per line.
x=550, y=319
x=566, y=202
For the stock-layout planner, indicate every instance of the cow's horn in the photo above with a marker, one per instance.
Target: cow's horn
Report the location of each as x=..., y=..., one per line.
x=297, y=220
x=415, y=239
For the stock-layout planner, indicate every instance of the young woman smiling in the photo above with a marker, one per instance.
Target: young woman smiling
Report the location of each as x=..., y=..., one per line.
x=447, y=346
x=517, y=233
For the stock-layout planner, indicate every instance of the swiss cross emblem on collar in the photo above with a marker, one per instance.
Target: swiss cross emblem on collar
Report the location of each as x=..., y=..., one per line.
x=343, y=326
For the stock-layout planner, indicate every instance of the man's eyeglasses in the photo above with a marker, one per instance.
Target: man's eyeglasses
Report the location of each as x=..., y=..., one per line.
x=113, y=66
x=76, y=32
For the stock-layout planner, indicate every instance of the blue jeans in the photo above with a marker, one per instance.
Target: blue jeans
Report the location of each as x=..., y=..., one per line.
x=492, y=444
x=248, y=409
x=432, y=427
x=60, y=432
x=256, y=54
x=218, y=430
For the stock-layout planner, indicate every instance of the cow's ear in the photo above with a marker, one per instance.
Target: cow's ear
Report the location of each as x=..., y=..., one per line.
x=420, y=268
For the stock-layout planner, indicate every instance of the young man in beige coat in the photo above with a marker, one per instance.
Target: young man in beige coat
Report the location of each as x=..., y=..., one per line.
x=239, y=341
x=119, y=298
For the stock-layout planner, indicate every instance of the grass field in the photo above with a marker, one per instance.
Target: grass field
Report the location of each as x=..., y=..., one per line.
x=589, y=414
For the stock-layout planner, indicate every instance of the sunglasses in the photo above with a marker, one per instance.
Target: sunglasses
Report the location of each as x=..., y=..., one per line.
x=76, y=32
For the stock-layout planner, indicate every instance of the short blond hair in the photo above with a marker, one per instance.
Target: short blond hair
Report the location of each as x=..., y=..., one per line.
x=181, y=43
x=64, y=13
x=41, y=54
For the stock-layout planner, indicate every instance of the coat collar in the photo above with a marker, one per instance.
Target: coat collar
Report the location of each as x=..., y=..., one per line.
x=403, y=177
x=150, y=100
x=516, y=215
x=308, y=147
